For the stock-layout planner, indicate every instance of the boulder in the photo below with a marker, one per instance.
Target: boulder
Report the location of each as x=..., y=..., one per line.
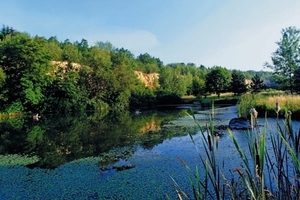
x=239, y=123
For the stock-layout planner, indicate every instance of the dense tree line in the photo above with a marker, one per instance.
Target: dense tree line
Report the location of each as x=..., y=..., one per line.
x=46, y=75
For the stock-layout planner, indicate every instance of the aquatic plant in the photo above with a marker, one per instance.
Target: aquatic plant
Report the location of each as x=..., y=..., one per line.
x=271, y=173
x=16, y=159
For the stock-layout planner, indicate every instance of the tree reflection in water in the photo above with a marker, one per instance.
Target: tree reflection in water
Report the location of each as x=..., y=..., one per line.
x=57, y=139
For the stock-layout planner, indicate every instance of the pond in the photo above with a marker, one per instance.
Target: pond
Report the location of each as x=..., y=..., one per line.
x=108, y=156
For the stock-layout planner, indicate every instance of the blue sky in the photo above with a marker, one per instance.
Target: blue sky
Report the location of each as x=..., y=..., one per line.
x=236, y=34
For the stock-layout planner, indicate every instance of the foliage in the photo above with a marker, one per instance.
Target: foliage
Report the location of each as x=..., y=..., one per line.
x=163, y=97
x=47, y=75
x=237, y=83
x=257, y=84
x=142, y=99
x=25, y=64
x=7, y=31
x=286, y=58
x=150, y=64
x=217, y=80
x=297, y=80
x=171, y=81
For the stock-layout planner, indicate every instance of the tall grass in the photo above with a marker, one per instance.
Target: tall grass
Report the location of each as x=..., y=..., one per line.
x=266, y=103
x=272, y=173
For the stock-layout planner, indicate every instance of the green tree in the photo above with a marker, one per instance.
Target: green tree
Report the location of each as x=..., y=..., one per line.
x=171, y=81
x=198, y=86
x=54, y=50
x=257, y=84
x=95, y=77
x=64, y=95
x=217, y=80
x=6, y=30
x=286, y=59
x=83, y=48
x=237, y=84
x=25, y=63
x=71, y=52
x=107, y=46
x=297, y=80
x=149, y=64
x=121, y=82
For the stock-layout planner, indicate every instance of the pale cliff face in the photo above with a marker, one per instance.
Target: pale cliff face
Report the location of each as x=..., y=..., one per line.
x=150, y=80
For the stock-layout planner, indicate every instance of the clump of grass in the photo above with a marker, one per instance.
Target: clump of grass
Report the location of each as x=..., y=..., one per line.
x=264, y=173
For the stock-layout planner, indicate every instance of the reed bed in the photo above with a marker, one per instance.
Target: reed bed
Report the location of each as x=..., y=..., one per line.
x=272, y=173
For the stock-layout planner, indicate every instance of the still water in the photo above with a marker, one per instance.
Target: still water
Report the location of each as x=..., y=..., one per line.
x=107, y=156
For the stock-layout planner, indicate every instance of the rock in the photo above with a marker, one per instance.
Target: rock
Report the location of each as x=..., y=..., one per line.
x=123, y=167
x=239, y=123
x=116, y=168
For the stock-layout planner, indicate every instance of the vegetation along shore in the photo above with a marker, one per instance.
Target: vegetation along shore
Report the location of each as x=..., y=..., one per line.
x=44, y=75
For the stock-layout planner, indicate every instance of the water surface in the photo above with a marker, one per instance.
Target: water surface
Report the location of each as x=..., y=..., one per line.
x=73, y=157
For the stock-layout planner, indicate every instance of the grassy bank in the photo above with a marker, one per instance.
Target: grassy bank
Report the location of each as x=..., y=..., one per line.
x=225, y=98
x=265, y=103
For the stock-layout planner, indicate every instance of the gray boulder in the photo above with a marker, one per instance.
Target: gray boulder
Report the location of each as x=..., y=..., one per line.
x=240, y=123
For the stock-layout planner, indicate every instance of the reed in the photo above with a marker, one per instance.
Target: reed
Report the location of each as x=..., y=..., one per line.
x=271, y=173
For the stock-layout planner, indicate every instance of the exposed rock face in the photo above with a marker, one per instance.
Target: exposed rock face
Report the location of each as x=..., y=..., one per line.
x=150, y=80
x=248, y=82
x=65, y=65
x=239, y=123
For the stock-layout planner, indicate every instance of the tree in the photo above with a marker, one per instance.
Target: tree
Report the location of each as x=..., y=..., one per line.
x=171, y=81
x=5, y=31
x=25, y=63
x=237, y=83
x=70, y=52
x=198, y=86
x=217, y=80
x=297, y=80
x=257, y=84
x=286, y=59
x=107, y=46
x=148, y=63
x=93, y=78
x=54, y=49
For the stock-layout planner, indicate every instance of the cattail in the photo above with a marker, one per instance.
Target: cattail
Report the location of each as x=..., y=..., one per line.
x=254, y=115
x=238, y=171
x=277, y=108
